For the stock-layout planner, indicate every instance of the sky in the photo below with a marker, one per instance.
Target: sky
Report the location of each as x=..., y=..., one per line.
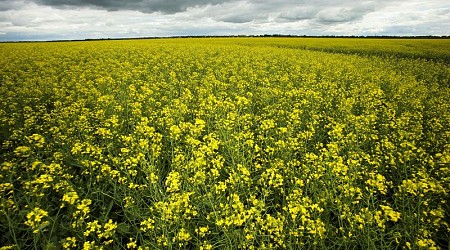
x=25, y=20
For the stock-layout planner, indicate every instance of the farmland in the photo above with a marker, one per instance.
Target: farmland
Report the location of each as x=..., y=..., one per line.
x=230, y=143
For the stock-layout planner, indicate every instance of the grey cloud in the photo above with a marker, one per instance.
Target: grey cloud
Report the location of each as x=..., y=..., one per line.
x=235, y=19
x=6, y=5
x=292, y=10
x=302, y=13
x=146, y=6
x=334, y=15
x=238, y=12
x=347, y=13
x=403, y=29
x=443, y=12
x=427, y=28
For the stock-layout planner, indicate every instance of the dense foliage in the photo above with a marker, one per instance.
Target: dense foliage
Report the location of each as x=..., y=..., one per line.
x=223, y=144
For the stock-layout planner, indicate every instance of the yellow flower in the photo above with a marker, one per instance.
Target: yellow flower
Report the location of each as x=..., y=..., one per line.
x=109, y=230
x=206, y=246
x=22, y=151
x=390, y=213
x=90, y=245
x=8, y=247
x=175, y=132
x=132, y=244
x=70, y=197
x=426, y=244
x=39, y=140
x=147, y=225
x=35, y=220
x=69, y=242
x=173, y=182
x=202, y=231
x=183, y=237
x=92, y=227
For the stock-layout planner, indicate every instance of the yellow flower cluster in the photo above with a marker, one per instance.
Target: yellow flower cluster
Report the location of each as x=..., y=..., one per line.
x=36, y=219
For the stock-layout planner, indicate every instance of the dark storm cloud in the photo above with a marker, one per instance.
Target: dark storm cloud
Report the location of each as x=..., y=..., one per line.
x=146, y=6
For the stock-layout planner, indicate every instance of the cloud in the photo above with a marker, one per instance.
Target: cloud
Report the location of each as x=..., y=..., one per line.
x=344, y=14
x=81, y=19
x=146, y=6
x=6, y=5
x=298, y=13
x=236, y=12
x=290, y=10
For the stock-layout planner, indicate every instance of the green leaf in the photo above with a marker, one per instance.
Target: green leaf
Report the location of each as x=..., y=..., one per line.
x=123, y=228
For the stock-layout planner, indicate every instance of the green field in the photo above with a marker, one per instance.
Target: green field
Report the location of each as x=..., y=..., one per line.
x=225, y=143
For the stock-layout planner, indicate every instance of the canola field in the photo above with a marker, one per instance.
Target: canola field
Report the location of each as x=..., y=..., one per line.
x=230, y=143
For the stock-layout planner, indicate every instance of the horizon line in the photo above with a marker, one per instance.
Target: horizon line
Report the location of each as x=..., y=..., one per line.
x=237, y=36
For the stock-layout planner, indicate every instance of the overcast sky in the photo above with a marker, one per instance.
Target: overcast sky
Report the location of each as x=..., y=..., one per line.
x=82, y=19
